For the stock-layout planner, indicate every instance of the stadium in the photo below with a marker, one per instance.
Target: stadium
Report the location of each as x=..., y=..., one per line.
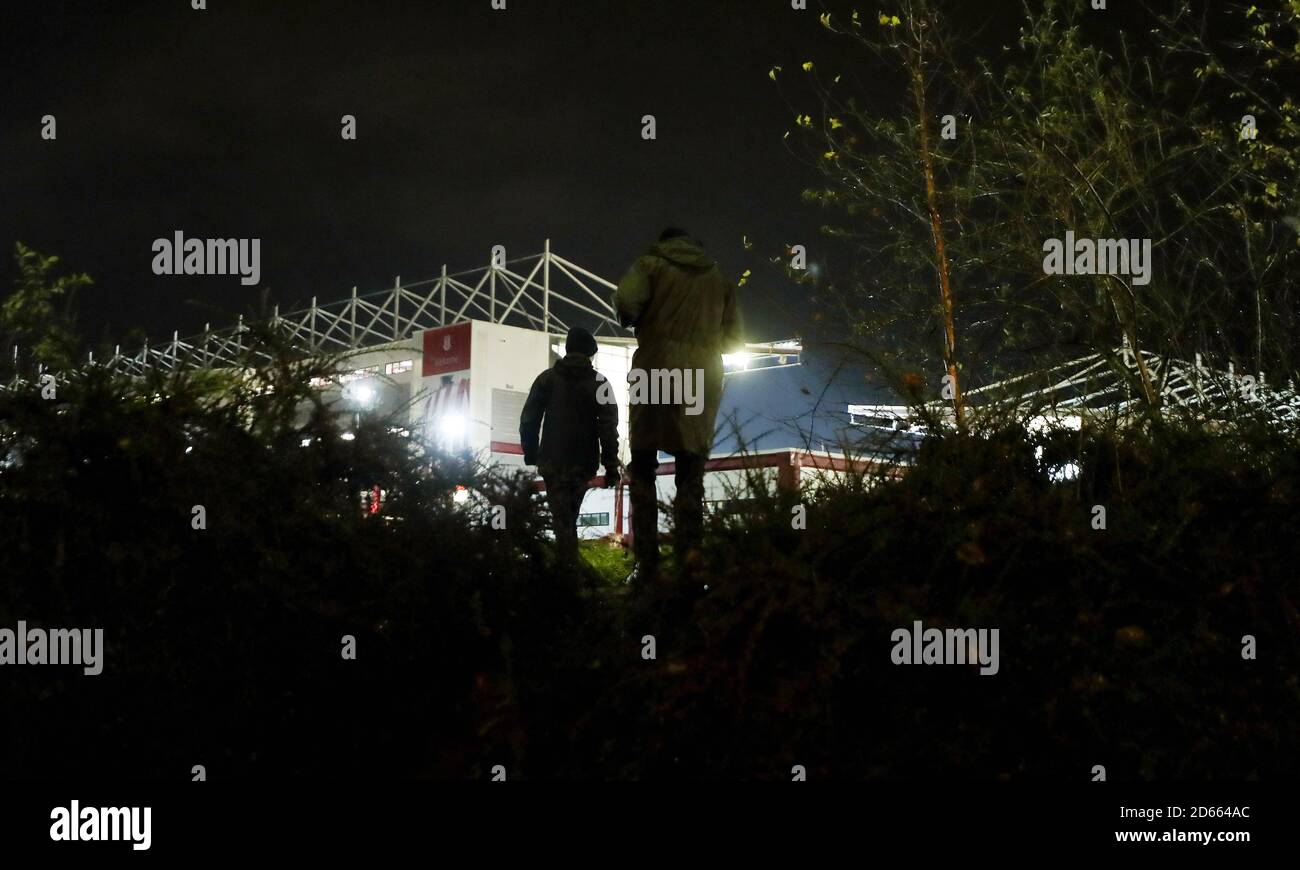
x=450, y=361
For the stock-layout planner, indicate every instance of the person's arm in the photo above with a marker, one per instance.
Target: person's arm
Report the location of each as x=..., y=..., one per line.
x=633, y=294
x=530, y=421
x=607, y=427
x=733, y=330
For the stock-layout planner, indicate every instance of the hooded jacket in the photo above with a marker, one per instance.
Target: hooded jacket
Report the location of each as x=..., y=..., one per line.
x=686, y=316
x=576, y=429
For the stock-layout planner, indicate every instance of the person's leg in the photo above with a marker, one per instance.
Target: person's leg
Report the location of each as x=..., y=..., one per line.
x=579, y=491
x=579, y=496
x=560, y=495
x=688, y=508
x=645, y=508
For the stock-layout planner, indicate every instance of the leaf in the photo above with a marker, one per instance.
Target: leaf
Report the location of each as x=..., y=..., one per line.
x=807, y=66
x=772, y=72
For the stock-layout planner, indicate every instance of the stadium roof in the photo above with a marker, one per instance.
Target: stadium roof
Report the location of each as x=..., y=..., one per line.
x=802, y=406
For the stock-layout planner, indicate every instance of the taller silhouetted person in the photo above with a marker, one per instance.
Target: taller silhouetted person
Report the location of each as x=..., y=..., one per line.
x=685, y=315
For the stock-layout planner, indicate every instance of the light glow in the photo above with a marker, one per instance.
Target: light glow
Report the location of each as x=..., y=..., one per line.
x=361, y=394
x=738, y=360
x=451, y=426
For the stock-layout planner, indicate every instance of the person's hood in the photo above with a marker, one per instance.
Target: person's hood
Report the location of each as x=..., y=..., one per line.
x=574, y=365
x=684, y=252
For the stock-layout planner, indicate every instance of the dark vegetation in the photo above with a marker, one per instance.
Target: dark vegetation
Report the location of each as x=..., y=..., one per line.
x=1119, y=647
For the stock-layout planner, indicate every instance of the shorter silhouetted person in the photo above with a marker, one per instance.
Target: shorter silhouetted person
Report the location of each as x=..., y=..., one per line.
x=568, y=427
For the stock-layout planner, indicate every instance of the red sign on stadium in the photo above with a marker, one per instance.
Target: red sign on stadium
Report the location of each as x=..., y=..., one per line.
x=446, y=350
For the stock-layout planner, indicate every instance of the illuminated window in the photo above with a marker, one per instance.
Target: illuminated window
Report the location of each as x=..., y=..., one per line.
x=358, y=374
x=396, y=368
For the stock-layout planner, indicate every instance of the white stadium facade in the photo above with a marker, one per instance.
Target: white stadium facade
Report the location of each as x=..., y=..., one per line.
x=450, y=360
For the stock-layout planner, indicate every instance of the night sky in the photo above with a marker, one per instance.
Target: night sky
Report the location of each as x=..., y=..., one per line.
x=475, y=127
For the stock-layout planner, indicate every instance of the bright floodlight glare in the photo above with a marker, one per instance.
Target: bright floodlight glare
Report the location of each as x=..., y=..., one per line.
x=738, y=360
x=452, y=426
x=362, y=394
x=348, y=436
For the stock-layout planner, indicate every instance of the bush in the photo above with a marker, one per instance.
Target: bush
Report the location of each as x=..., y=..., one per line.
x=1119, y=647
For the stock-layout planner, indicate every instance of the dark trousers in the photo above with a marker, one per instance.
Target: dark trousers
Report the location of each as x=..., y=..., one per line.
x=565, y=490
x=688, y=506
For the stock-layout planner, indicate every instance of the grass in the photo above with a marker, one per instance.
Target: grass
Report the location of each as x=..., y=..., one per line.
x=610, y=560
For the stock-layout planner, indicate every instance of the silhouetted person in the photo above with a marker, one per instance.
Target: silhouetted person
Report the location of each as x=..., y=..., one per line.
x=685, y=314
x=572, y=408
